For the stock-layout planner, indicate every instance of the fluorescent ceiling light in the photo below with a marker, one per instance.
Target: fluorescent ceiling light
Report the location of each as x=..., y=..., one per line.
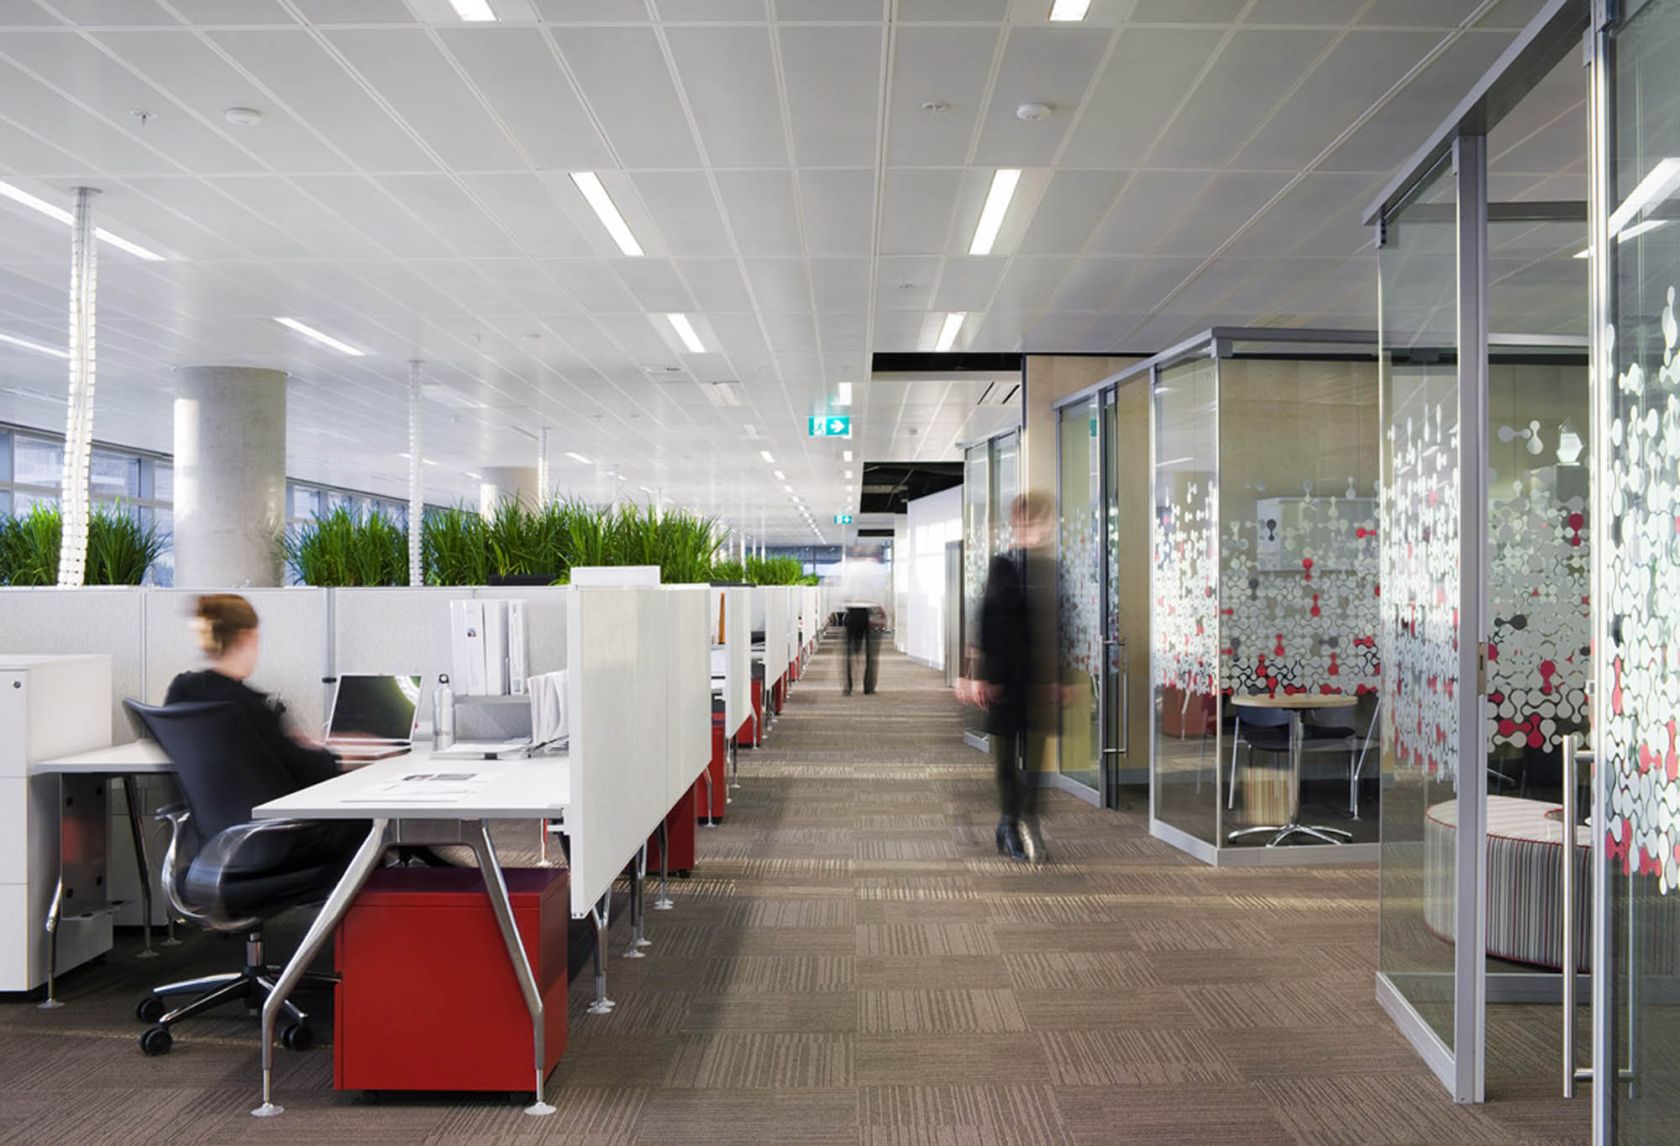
x=579, y=458
x=314, y=335
x=39, y=348
x=780, y=476
x=845, y=455
x=789, y=488
x=843, y=394
x=997, y=206
x=765, y=454
x=53, y=211
x=1654, y=188
x=848, y=475
x=473, y=11
x=471, y=474
x=1069, y=10
x=948, y=332
x=605, y=210
x=685, y=331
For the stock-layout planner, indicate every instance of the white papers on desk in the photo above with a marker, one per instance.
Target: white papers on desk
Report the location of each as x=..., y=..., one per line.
x=424, y=787
x=550, y=722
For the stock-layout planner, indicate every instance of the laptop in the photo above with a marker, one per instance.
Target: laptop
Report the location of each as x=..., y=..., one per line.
x=373, y=716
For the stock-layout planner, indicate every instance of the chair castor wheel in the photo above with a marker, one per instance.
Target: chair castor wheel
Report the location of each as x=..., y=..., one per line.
x=150, y=1009
x=156, y=1040
x=297, y=1037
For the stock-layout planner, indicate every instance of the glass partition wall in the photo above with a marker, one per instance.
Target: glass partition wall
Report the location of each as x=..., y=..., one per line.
x=991, y=479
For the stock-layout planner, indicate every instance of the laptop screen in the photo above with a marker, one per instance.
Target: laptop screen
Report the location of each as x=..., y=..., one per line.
x=375, y=707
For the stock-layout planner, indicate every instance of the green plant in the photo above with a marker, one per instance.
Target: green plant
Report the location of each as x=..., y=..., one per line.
x=728, y=571
x=775, y=571
x=524, y=541
x=338, y=549
x=455, y=547
x=121, y=548
x=29, y=546
x=587, y=533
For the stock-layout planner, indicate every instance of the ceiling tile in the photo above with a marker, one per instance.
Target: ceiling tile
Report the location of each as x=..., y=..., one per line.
x=1149, y=73
x=833, y=81
x=939, y=77
x=729, y=78
x=761, y=211
x=519, y=75
x=1046, y=65
x=628, y=88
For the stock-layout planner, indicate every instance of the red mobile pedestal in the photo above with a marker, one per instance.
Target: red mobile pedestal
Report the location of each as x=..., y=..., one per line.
x=415, y=932
x=679, y=830
x=718, y=769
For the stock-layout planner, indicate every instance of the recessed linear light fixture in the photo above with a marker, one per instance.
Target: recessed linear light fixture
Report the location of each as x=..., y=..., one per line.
x=685, y=331
x=765, y=454
x=780, y=476
x=37, y=347
x=314, y=335
x=579, y=458
x=845, y=455
x=1004, y=181
x=606, y=210
x=473, y=11
x=52, y=211
x=948, y=332
x=843, y=394
x=1069, y=10
x=848, y=475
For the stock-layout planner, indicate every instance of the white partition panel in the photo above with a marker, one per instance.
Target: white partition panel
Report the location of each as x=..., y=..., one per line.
x=737, y=647
x=50, y=621
x=293, y=658
x=792, y=594
x=616, y=699
x=776, y=635
x=760, y=597
x=396, y=631
x=687, y=655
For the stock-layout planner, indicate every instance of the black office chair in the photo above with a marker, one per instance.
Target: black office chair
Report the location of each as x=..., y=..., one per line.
x=227, y=872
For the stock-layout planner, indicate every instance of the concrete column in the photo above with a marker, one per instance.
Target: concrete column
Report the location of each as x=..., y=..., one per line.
x=230, y=476
x=501, y=483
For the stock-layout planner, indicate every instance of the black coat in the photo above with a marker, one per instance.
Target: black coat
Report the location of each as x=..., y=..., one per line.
x=266, y=716
x=1014, y=657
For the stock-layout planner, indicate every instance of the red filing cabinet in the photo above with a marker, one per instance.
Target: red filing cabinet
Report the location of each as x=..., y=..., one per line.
x=719, y=769
x=679, y=830
x=428, y=999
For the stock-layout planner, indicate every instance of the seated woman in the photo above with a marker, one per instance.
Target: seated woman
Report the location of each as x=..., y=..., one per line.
x=228, y=632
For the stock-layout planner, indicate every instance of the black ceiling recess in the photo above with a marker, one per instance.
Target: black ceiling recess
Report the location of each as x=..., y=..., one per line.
x=889, y=487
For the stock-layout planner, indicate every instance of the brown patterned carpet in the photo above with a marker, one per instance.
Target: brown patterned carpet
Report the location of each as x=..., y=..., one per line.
x=852, y=963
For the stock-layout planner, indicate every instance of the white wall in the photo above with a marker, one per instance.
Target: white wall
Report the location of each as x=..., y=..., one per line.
x=901, y=563
x=934, y=521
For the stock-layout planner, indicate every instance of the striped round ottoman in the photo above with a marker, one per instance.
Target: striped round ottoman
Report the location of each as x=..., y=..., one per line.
x=1524, y=880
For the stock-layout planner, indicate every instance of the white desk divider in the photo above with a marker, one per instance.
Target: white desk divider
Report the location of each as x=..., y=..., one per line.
x=737, y=648
x=760, y=595
x=776, y=633
x=594, y=576
x=396, y=631
x=52, y=621
x=616, y=684
x=687, y=652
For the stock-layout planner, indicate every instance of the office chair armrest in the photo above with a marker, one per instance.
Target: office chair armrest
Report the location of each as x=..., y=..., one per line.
x=171, y=812
x=179, y=819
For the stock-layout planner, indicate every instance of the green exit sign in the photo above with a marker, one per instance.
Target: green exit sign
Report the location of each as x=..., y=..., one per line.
x=832, y=426
x=842, y=519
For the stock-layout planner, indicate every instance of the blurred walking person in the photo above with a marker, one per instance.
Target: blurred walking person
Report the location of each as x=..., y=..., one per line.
x=864, y=622
x=1015, y=678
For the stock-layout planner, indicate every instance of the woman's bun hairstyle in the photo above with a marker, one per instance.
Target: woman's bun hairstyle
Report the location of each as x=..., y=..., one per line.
x=220, y=618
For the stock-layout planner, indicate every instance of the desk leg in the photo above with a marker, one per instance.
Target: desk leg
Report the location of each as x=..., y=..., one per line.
x=710, y=821
x=54, y=917
x=361, y=866
x=663, y=903
x=137, y=832
x=733, y=760
x=638, y=907
x=601, y=914
x=494, y=883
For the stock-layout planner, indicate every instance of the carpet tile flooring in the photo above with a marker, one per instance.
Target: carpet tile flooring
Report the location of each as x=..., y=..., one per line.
x=853, y=963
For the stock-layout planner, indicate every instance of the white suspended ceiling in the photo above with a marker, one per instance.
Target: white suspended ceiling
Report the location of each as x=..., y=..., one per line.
x=804, y=177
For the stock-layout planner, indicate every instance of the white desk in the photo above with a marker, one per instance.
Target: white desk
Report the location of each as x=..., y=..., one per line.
x=538, y=788
x=136, y=758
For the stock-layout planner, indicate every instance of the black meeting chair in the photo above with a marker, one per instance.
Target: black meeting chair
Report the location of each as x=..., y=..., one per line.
x=227, y=872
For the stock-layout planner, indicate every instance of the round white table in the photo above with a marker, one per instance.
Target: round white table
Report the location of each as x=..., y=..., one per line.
x=1295, y=705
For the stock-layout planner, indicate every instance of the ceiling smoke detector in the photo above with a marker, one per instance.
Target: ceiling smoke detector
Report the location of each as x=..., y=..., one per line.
x=936, y=107
x=1033, y=112
x=242, y=116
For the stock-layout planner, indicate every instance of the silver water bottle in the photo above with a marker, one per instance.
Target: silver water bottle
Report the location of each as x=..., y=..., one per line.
x=443, y=714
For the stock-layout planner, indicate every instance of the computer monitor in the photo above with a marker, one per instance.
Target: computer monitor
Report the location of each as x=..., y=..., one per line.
x=374, y=707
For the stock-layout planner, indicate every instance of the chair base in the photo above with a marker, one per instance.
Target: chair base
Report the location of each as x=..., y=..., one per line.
x=252, y=985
